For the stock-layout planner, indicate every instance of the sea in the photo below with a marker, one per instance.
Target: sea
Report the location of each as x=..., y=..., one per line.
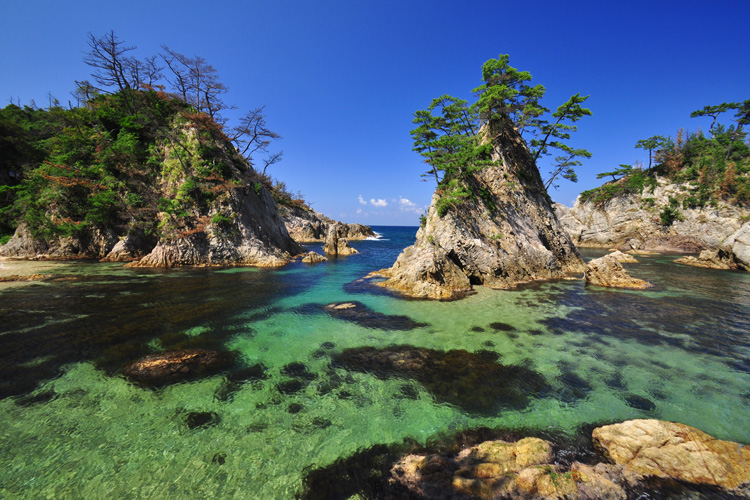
x=73, y=426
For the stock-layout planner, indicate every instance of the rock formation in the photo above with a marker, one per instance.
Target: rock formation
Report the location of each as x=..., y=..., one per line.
x=90, y=244
x=336, y=243
x=633, y=222
x=255, y=235
x=607, y=271
x=503, y=234
x=650, y=457
x=675, y=451
x=734, y=253
x=313, y=258
x=623, y=258
x=203, y=205
x=309, y=226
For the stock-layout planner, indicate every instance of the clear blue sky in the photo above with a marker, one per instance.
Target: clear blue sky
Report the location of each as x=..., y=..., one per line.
x=341, y=79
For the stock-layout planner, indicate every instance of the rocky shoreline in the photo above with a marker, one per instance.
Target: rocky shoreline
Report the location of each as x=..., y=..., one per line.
x=627, y=460
x=633, y=222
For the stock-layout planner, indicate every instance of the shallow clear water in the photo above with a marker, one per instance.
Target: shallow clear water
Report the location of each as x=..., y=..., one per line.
x=71, y=426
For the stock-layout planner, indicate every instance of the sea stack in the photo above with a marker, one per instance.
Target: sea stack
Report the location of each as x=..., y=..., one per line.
x=503, y=234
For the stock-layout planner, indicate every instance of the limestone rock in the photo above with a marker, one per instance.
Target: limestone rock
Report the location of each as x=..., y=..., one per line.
x=632, y=221
x=255, y=236
x=131, y=247
x=505, y=235
x=308, y=226
x=176, y=366
x=313, y=258
x=623, y=258
x=426, y=272
x=675, y=451
x=90, y=244
x=710, y=259
x=607, y=271
x=336, y=243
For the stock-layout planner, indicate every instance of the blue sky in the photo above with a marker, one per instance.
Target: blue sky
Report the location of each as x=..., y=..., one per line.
x=341, y=79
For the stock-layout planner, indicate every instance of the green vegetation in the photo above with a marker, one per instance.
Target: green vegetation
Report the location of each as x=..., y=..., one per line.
x=457, y=140
x=713, y=169
x=132, y=157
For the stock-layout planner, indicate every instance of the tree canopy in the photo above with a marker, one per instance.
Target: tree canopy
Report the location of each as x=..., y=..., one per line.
x=450, y=132
x=712, y=168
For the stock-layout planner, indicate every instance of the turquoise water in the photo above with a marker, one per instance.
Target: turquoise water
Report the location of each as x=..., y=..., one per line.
x=71, y=426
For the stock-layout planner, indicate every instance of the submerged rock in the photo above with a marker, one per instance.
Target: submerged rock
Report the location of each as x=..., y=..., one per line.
x=506, y=233
x=17, y=277
x=201, y=419
x=675, y=451
x=359, y=313
x=177, y=366
x=607, y=271
x=467, y=380
x=336, y=243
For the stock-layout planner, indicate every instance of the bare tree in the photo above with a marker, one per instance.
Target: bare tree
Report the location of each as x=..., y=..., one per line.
x=107, y=56
x=196, y=82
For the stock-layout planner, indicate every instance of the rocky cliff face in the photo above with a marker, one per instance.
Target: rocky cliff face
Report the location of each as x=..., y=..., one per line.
x=634, y=222
x=505, y=235
x=309, y=226
x=254, y=235
x=203, y=217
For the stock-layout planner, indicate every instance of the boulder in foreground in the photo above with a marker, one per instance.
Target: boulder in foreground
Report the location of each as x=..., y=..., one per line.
x=675, y=451
x=607, y=271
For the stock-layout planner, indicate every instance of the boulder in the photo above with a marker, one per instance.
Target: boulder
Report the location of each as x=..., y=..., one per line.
x=336, y=243
x=313, y=258
x=177, y=366
x=131, y=247
x=675, y=451
x=503, y=234
x=510, y=470
x=607, y=271
x=623, y=258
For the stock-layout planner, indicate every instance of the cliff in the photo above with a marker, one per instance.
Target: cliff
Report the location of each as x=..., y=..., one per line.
x=161, y=188
x=504, y=234
x=660, y=218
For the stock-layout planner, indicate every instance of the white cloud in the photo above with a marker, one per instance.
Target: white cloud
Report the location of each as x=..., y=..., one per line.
x=379, y=202
x=362, y=201
x=359, y=210
x=406, y=205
